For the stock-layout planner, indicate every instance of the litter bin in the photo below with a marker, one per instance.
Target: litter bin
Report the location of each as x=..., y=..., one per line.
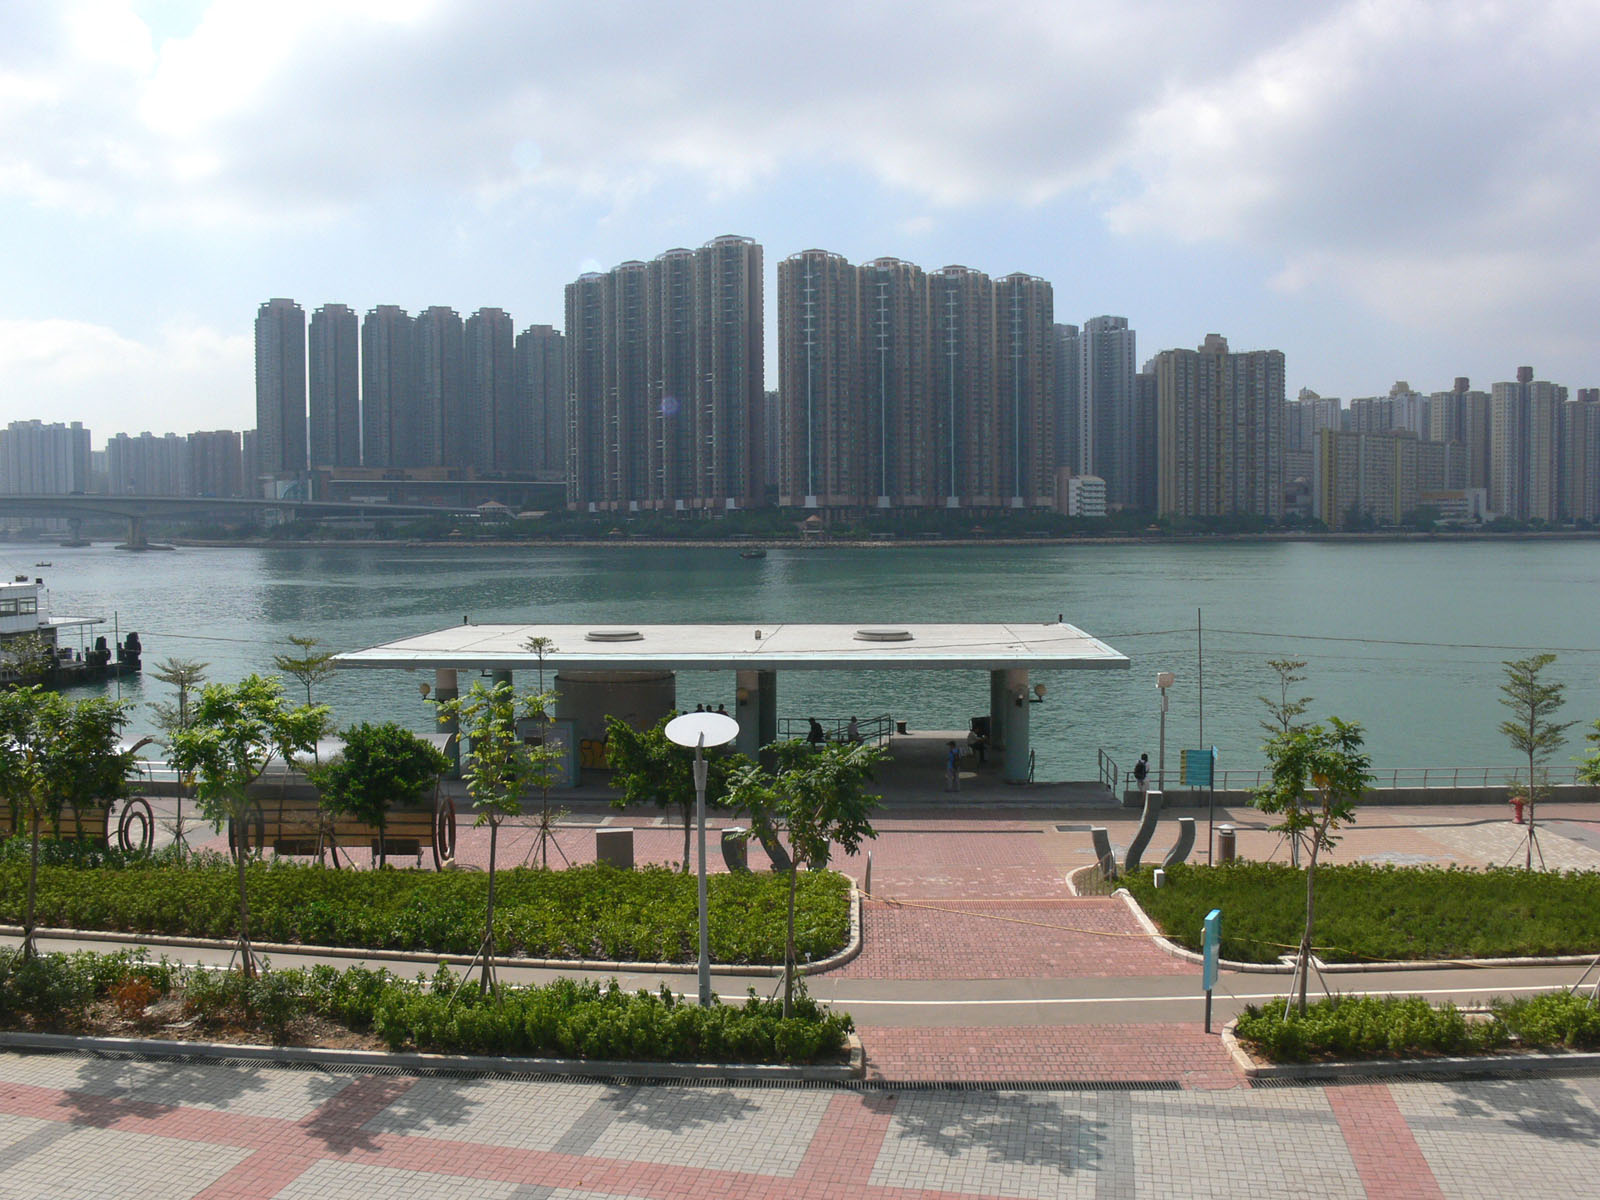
x=1225, y=843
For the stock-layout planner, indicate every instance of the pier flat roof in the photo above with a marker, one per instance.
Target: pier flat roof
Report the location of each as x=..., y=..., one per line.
x=748, y=647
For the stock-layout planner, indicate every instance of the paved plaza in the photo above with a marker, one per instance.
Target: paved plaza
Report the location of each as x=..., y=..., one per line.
x=76, y=1126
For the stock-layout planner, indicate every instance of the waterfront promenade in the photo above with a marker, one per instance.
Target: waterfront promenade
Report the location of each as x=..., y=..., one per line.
x=1021, y=1042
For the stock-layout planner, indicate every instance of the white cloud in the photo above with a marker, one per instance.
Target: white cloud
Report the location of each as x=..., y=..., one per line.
x=191, y=377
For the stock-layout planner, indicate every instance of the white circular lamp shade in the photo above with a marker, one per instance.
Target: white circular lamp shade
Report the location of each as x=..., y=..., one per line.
x=702, y=729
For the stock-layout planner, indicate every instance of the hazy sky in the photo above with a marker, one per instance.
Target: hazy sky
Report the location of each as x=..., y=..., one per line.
x=1384, y=191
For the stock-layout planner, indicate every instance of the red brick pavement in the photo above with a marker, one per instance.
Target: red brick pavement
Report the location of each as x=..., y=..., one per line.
x=977, y=939
x=1387, y=1157
x=1175, y=1051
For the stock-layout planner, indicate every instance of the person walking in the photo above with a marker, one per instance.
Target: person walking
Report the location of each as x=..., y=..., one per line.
x=952, y=768
x=1141, y=774
x=814, y=734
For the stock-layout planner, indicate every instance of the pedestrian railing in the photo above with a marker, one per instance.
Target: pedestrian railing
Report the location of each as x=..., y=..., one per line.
x=1388, y=778
x=1108, y=771
x=876, y=730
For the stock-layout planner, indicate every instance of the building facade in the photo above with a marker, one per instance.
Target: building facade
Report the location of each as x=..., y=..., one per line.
x=334, y=406
x=281, y=388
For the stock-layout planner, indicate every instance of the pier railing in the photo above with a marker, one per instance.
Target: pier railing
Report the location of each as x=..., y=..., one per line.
x=876, y=730
x=1385, y=779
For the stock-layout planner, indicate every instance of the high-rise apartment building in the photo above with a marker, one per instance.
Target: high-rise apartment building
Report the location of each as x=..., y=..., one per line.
x=216, y=463
x=541, y=401
x=1462, y=416
x=1221, y=434
x=665, y=382
x=387, y=394
x=1146, y=439
x=281, y=388
x=335, y=387
x=44, y=460
x=496, y=431
x=822, y=438
x=1580, y=457
x=962, y=371
x=1073, y=438
x=1106, y=367
x=1025, y=432
x=148, y=465
x=442, y=433
x=1524, y=422
x=1307, y=416
x=895, y=382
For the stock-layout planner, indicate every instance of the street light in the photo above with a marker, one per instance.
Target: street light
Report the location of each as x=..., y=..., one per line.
x=699, y=730
x=1164, y=680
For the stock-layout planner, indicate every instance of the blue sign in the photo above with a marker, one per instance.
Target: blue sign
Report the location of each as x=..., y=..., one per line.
x=1211, y=941
x=1197, y=767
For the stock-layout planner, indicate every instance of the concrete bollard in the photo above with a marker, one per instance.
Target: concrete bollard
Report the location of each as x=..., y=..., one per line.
x=614, y=846
x=1159, y=878
x=1225, y=843
x=735, y=849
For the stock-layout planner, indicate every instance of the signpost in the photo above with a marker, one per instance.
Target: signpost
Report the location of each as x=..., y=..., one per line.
x=1199, y=769
x=1211, y=943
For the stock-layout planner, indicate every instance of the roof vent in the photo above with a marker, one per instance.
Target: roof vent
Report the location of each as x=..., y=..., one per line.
x=883, y=635
x=613, y=635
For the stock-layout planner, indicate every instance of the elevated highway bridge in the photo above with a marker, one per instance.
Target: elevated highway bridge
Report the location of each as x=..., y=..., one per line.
x=136, y=510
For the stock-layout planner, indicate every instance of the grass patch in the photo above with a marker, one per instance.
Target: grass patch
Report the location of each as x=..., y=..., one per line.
x=1370, y=912
x=125, y=993
x=593, y=912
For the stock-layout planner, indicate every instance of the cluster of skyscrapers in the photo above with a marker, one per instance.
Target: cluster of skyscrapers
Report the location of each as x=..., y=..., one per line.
x=396, y=391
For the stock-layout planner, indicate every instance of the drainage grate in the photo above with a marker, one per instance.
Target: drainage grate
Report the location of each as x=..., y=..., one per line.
x=1073, y=828
x=1488, y=1072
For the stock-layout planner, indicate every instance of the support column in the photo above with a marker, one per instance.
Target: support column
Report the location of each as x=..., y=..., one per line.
x=136, y=538
x=1016, y=706
x=767, y=708
x=997, y=711
x=496, y=678
x=747, y=686
x=445, y=688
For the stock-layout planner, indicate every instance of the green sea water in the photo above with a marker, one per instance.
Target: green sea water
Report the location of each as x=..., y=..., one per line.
x=1406, y=638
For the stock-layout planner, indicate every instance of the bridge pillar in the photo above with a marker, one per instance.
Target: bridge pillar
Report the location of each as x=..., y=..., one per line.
x=136, y=538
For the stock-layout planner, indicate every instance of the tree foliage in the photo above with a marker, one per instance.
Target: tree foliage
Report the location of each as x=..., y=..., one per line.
x=1318, y=777
x=56, y=752
x=1533, y=701
x=236, y=732
x=499, y=769
x=818, y=797
x=380, y=766
x=187, y=676
x=648, y=768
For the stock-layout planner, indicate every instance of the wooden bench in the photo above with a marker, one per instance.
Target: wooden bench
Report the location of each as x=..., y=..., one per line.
x=290, y=820
x=126, y=824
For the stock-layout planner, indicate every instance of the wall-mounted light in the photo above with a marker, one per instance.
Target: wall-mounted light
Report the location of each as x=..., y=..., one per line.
x=1038, y=694
x=424, y=689
x=744, y=695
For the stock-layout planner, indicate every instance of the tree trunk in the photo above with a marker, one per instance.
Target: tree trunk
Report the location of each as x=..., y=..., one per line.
x=487, y=978
x=33, y=878
x=1311, y=916
x=242, y=853
x=1527, y=864
x=788, y=944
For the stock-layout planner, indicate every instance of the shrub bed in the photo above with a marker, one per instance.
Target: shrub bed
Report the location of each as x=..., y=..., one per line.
x=594, y=912
x=1364, y=1027
x=85, y=992
x=1368, y=912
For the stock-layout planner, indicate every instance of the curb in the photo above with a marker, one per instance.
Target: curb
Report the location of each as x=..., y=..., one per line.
x=465, y=1064
x=1346, y=968
x=851, y=950
x=1486, y=1064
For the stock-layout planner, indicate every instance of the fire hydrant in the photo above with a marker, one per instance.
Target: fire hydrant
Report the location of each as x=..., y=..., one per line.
x=1516, y=809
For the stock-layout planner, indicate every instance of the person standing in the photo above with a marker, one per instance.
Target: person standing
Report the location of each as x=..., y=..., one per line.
x=952, y=768
x=814, y=734
x=1141, y=774
x=852, y=732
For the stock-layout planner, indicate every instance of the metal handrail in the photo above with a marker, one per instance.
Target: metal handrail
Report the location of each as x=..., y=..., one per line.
x=877, y=730
x=1390, y=778
x=1108, y=771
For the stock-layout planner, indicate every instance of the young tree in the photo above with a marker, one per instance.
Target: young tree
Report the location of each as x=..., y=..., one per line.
x=499, y=769
x=30, y=658
x=819, y=798
x=649, y=769
x=1285, y=713
x=1318, y=776
x=1533, y=701
x=1589, y=765
x=186, y=675
x=548, y=817
x=379, y=767
x=55, y=752
x=311, y=666
x=236, y=732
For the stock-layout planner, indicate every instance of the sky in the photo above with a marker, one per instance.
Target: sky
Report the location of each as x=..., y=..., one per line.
x=1383, y=191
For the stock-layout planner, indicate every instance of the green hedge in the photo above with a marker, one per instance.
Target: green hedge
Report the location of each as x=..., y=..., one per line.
x=434, y=1013
x=595, y=911
x=1371, y=912
x=1365, y=1027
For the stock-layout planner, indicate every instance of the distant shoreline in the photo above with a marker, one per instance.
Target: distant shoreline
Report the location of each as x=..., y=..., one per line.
x=908, y=543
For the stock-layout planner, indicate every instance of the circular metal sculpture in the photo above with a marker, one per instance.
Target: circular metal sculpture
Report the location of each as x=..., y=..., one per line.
x=444, y=831
x=136, y=826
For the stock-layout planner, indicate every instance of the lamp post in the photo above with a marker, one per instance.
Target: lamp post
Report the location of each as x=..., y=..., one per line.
x=1164, y=680
x=699, y=730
